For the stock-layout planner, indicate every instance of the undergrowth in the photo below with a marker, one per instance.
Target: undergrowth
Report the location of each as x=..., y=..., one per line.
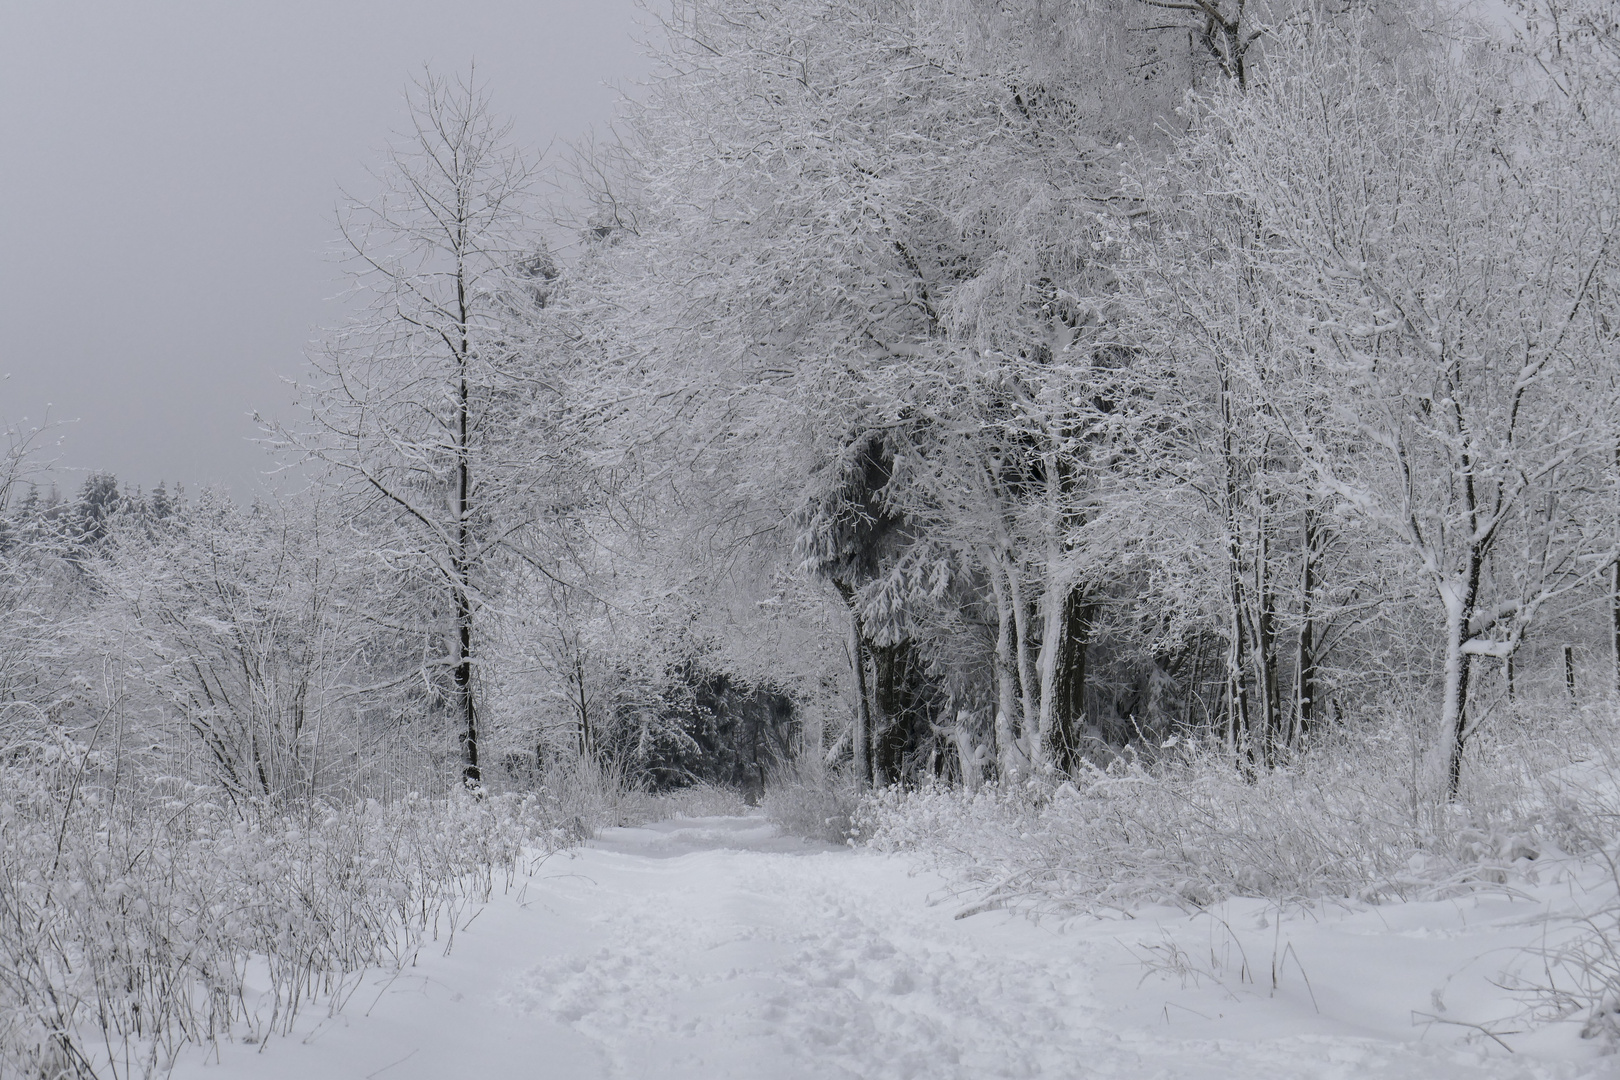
x=133, y=922
x=1357, y=817
x=807, y=799
x=1578, y=963
x=694, y=801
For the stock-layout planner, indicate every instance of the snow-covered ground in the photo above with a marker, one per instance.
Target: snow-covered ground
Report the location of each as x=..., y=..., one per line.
x=712, y=948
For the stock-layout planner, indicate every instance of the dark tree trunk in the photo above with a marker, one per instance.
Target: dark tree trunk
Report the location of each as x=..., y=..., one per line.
x=861, y=736
x=471, y=775
x=582, y=704
x=1267, y=661
x=1070, y=713
x=1237, y=689
x=1239, y=736
x=1305, y=709
x=887, y=677
x=1270, y=681
x=1459, y=731
x=1465, y=662
x=1465, y=616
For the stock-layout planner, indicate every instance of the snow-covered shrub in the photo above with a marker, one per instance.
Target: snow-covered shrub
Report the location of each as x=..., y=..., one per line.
x=1360, y=817
x=591, y=795
x=698, y=800
x=132, y=925
x=810, y=800
x=1580, y=958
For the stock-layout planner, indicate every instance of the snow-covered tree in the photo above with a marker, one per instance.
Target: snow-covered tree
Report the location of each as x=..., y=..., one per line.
x=33, y=585
x=865, y=224
x=435, y=412
x=1399, y=283
x=242, y=633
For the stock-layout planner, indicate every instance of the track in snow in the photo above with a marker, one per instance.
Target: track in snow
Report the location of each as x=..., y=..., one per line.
x=711, y=948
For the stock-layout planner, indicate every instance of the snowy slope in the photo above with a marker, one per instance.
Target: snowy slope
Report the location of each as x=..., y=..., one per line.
x=711, y=948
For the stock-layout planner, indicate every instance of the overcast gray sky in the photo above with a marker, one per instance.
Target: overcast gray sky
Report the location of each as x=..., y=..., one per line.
x=168, y=176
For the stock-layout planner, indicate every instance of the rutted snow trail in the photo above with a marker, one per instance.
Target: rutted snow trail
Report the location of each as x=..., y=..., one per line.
x=710, y=948
x=763, y=964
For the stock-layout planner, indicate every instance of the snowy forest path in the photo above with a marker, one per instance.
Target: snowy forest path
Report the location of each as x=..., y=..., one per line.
x=714, y=948
x=762, y=957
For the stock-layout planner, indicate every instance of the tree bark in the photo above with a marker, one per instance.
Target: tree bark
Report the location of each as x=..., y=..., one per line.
x=1028, y=685
x=471, y=775
x=1049, y=740
x=888, y=671
x=1071, y=686
x=1011, y=761
x=1614, y=614
x=470, y=772
x=1238, y=734
x=1265, y=641
x=967, y=751
x=1454, y=704
x=1460, y=599
x=1305, y=670
x=861, y=734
